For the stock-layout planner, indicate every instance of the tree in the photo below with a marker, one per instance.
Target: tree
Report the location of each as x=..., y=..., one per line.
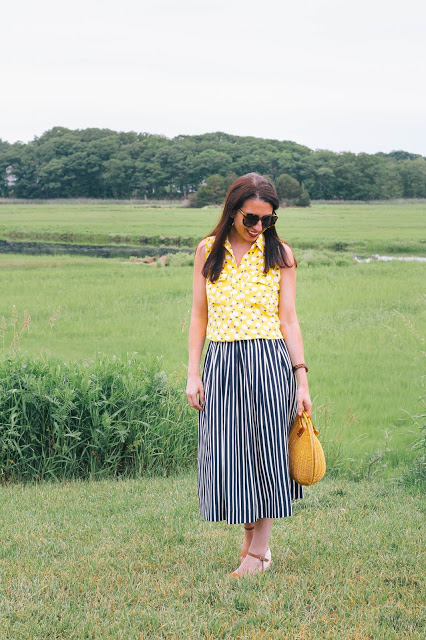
x=208, y=163
x=101, y=163
x=287, y=188
x=303, y=200
x=213, y=192
x=230, y=179
x=318, y=175
x=413, y=177
x=291, y=192
x=5, y=187
x=118, y=174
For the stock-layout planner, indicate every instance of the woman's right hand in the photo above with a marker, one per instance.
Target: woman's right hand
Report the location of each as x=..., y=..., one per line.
x=194, y=388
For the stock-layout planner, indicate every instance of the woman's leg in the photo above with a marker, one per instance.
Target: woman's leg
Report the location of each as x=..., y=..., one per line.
x=261, y=535
x=259, y=545
x=248, y=537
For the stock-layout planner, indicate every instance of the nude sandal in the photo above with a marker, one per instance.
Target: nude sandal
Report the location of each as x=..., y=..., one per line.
x=266, y=563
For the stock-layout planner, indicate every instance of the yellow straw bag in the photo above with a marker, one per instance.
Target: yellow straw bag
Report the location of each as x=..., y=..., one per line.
x=306, y=455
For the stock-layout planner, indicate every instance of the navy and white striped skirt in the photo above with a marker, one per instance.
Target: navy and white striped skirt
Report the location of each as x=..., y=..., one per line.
x=250, y=405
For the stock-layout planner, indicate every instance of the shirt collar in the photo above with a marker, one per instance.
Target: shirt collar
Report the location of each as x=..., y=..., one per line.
x=259, y=243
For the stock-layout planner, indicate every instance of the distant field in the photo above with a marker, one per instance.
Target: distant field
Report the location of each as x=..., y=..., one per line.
x=364, y=228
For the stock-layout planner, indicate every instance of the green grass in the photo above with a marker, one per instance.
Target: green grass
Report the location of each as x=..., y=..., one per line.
x=364, y=359
x=133, y=559
x=105, y=306
x=91, y=419
x=364, y=228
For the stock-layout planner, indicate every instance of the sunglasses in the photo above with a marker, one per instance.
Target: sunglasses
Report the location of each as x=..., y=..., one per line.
x=251, y=219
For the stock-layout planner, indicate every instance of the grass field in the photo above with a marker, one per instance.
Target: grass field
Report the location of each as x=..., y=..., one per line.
x=364, y=358
x=363, y=324
x=114, y=560
x=133, y=559
x=363, y=228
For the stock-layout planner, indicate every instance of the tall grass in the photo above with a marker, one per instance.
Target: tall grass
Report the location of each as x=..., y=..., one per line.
x=415, y=475
x=362, y=363
x=93, y=418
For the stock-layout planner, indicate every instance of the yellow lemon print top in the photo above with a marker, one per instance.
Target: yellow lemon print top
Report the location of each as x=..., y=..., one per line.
x=243, y=302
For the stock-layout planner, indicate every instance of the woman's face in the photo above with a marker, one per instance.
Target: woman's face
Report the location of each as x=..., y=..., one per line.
x=259, y=208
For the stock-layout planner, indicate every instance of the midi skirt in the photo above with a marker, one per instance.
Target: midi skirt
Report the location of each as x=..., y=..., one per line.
x=249, y=408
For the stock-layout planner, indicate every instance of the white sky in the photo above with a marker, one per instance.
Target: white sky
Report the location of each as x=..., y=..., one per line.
x=345, y=75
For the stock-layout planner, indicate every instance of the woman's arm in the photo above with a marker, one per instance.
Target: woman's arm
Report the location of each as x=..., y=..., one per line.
x=197, y=331
x=291, y=332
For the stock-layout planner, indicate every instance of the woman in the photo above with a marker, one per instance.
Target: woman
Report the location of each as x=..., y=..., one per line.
x=244, y=303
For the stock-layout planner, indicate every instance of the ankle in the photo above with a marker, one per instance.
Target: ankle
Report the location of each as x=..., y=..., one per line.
x=257, y=554
x=258, y=550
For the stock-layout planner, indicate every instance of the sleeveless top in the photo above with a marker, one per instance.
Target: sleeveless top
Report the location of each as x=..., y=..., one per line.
x=243, y=302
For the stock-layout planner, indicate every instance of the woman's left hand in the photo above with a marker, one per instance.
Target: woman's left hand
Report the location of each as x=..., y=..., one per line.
x=303, y=400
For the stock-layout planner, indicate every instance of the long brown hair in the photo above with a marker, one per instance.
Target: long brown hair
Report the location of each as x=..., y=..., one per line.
x=251, y=185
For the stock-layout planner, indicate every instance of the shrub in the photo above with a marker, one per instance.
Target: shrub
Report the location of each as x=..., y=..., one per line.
x=181, y=259
x=192, y=201
x=213, y=192
x=288, y=188
x=291, y=192
x=303, y=200
x=107, y=417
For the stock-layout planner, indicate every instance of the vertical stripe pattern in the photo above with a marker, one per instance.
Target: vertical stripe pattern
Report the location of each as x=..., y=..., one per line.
x=250, y=405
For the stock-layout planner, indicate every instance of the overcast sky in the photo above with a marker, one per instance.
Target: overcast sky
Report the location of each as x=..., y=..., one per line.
x=345, y=75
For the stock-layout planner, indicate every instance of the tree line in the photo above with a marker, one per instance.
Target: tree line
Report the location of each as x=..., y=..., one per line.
x=101, y=163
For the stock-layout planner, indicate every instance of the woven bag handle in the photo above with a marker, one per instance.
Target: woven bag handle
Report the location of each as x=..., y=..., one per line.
x=306, y=423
